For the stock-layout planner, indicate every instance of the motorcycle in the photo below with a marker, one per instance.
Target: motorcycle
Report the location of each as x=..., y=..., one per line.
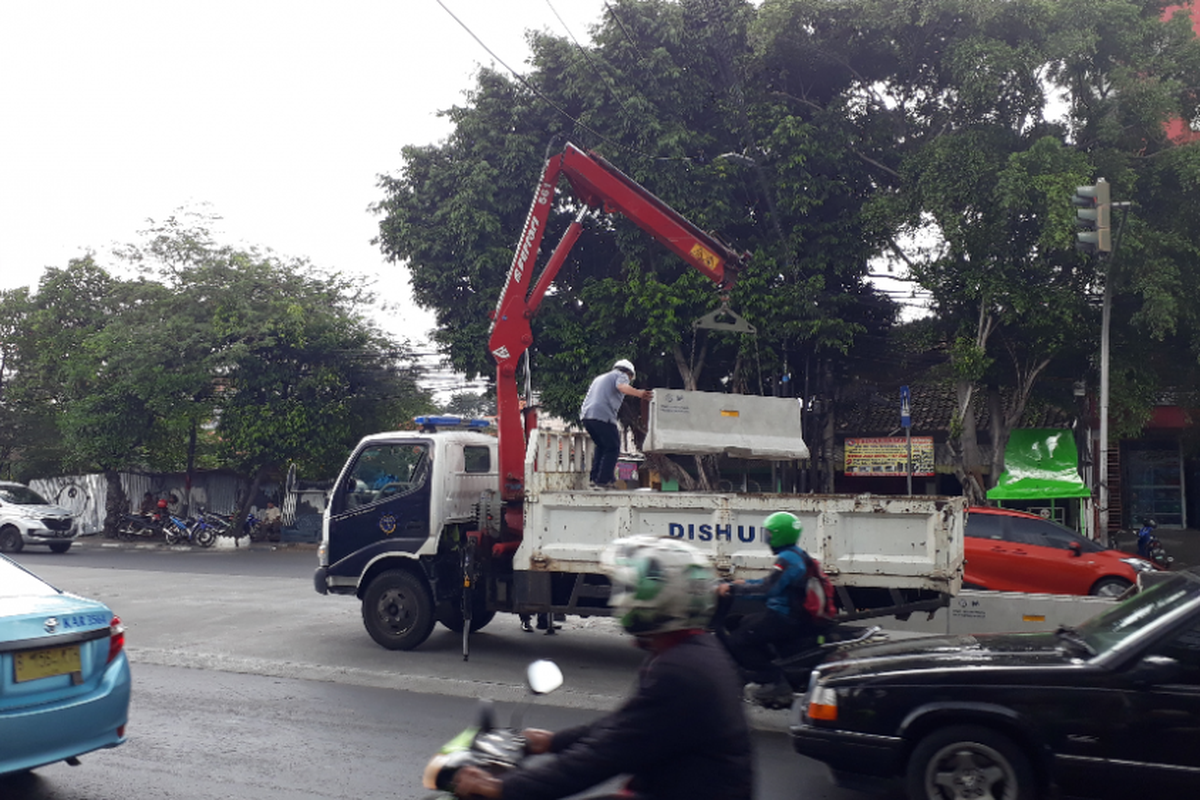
x=798, y=657
x=1149, y=547
x=484, y=745
x=137, y=526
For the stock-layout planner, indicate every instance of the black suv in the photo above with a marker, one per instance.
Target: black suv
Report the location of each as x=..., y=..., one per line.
x=1106, y=709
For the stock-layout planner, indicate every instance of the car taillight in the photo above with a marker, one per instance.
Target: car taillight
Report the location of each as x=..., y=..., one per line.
x=822, y=704
x=116, y=638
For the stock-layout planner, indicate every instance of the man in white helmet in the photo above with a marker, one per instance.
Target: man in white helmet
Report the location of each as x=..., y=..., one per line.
x=683, y=734
x=599, y=416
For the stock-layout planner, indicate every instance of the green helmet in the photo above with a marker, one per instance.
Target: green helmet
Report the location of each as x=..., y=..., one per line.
x=783, y=530
x=659, y=584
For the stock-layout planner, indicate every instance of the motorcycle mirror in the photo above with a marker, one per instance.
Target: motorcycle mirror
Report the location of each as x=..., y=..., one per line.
x=543, y=676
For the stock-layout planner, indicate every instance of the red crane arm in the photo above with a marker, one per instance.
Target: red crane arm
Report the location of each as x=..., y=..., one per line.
x=599, y=185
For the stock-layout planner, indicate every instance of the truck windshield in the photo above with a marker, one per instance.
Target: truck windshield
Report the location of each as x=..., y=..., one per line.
x=1142, y=611
x=385, y=470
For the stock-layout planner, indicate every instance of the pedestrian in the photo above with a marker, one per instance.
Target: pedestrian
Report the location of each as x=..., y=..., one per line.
x=683, y=734
x=148, y=505
x=599, y=416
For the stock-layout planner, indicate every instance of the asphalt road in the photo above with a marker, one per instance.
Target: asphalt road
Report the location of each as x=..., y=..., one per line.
x=248, y=684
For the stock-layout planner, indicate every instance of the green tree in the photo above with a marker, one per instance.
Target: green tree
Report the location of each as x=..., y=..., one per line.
x=212, y=357
x=949, y=101
x=662, y=91
x=282, y=366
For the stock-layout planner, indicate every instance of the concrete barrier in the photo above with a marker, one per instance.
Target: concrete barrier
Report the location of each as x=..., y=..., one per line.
x=738, y=425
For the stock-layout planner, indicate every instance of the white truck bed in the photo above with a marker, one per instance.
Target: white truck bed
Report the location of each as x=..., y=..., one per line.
x=861, y=541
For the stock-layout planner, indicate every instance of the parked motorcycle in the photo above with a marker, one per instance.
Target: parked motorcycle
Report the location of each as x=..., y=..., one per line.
x=135, y=526
x=485, y=745
x=798, y=657
x=1149, y=547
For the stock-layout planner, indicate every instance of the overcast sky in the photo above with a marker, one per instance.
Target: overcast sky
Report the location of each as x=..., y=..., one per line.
x=276, y=115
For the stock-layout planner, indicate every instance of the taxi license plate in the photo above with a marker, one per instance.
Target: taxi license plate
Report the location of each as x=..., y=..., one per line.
x=46, y=663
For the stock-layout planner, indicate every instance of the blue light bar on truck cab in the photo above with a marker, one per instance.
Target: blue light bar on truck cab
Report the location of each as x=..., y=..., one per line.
x=433, y=423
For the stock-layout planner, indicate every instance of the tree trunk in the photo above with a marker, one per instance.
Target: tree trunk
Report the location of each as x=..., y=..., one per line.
x=191, y=469
x=999, y=429
x=115, y=502
x=244, y=507
x=964, y=447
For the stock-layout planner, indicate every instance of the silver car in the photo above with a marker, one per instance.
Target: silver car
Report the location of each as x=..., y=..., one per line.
x=28, y=518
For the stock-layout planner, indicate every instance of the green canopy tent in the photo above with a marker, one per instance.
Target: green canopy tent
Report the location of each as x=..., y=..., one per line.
x=1041, y=464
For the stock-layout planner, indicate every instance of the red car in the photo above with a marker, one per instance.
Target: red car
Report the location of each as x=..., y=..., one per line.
x=1011, y=551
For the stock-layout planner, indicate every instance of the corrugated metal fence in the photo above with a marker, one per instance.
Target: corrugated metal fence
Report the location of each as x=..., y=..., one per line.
x=84, y=496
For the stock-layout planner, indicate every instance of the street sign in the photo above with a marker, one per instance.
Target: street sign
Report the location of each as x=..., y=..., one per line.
x=905, y=412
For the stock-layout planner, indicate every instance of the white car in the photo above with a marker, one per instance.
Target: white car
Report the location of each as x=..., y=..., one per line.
x=28, y=518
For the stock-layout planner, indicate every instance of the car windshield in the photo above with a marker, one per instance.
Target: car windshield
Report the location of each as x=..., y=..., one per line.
x=1143, y=610
x=15, y=581
x=21, y=496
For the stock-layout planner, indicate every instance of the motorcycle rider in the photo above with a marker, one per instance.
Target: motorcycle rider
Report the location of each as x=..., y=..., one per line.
x=683, y=734
x=783, y=620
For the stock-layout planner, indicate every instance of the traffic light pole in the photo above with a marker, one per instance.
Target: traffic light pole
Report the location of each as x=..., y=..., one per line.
x=1105, y=326
x=1105, y=318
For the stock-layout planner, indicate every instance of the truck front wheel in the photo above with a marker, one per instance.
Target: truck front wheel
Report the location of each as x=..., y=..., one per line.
x=397, y=610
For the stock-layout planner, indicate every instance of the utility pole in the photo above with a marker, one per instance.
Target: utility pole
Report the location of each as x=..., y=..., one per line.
x=1093, y=209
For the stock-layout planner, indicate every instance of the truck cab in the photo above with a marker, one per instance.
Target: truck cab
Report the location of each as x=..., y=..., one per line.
x=396, y=496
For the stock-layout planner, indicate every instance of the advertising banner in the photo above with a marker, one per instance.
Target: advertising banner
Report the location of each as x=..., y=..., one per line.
x=888, y=456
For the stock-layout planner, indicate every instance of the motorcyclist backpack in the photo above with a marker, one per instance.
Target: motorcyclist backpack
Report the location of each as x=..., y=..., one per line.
x=819, y=597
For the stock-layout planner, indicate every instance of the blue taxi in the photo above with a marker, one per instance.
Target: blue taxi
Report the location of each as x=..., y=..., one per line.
x=64, y=675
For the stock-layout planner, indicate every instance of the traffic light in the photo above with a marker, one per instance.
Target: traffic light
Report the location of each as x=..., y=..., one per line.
x=1091, y=217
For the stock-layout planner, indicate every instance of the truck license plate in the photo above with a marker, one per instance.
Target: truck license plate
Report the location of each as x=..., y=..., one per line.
x=34, y=664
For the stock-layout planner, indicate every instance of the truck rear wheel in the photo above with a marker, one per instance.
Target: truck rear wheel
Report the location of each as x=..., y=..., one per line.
x=451, y=616
x=397, y=610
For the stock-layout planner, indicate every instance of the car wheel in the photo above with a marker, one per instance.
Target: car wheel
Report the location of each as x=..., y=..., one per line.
x=60, y=547
x=10, y=540
x=1110, y=587
x=969, y=761
x=397, y=610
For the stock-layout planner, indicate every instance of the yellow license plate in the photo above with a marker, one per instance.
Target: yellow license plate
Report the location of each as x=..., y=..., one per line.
x=34, y=664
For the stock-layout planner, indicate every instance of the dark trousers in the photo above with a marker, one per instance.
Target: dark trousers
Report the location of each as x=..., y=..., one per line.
x=608, y=447
x=750, y=644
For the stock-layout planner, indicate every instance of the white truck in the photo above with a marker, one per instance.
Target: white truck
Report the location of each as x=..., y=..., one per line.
x=413, y=529
x=456, y=525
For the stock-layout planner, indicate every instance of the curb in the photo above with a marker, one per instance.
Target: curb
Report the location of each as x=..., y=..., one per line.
x=112, y=544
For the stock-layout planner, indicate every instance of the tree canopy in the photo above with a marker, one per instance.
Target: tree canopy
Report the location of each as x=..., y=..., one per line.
x=943, y=138
x=210, y=356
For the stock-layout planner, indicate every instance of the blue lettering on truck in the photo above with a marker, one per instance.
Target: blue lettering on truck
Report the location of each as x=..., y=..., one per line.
x=706, y=532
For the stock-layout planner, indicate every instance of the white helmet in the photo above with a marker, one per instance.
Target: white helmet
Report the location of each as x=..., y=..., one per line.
x=626, y=365
x=659, y=584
